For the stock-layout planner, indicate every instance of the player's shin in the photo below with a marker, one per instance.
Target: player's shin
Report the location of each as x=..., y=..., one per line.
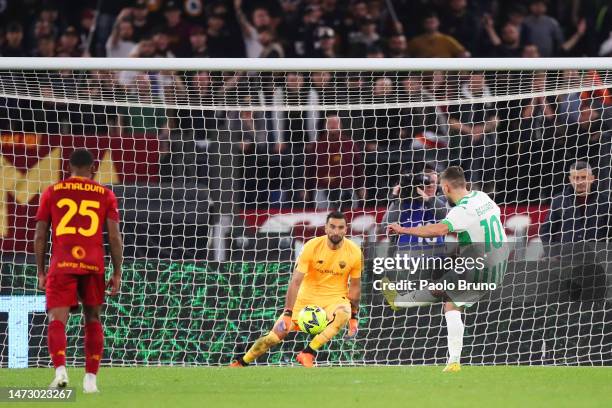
x=415, y=298
x=94, y=346
x=341, y=318
x=56, y=341
x=454, y=327
x=260, y=346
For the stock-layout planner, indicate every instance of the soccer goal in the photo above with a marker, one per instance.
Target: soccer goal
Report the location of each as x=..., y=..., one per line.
x=224, y=168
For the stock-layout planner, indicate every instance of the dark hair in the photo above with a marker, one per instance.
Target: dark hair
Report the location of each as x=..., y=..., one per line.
x=430, y=14
x=13, y=27
x=81, y=158
x=454, y=175
x=580, y=165
x=336, y=215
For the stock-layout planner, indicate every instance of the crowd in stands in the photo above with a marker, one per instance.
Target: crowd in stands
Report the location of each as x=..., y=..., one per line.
x=300, y=157
x=305, y=28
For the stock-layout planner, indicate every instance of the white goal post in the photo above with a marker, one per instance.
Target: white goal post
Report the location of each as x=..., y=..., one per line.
x=224, y=167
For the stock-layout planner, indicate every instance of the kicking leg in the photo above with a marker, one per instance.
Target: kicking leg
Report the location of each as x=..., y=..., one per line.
x=455, y=328
x=410, y=299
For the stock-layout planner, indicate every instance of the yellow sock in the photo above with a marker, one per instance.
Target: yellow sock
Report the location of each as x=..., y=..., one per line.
x=260, y=346
x=342, y=316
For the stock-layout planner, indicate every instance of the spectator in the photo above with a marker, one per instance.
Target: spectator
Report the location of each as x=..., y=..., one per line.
x=374, y=51
x=433, y=43
x=536, y=139
x=473, y=126
x=516, y=16
x=14, y=41
x=142, y=25
x=568, y=105
x=302, y=37
x=325, y=47
x=295, y=137
x=250, y=31
x=414, y=202
x=145, y=120
x=161, y=84
x=69, y=43
x=144, y=49
x=198, y=41
x=271, y=47
x=460, y=23
x=192, y=129
x=332, y=15
x=105, y=20
x=176, y=29
x=357, y=12
x=362, y=40
x=530, y=51
x=509, y=45
x=219, y=39
x=544, y=30
x=322, y=86
x=50, y=14
x=45, y=47
x=86, y=23
x=381, y=131
x=397, y=46
x=335, y=167
x=424, y=130
x=92, y=119
x=578, y=215
x=161, y=39
x=260, y=167
x=42, y=29
x=121, y=41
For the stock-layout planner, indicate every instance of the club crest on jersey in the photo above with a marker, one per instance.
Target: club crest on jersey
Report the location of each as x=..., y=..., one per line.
x=342, y=264
x=78, y=252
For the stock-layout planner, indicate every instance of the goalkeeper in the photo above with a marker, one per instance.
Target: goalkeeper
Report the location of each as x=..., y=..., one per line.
x=327, y=274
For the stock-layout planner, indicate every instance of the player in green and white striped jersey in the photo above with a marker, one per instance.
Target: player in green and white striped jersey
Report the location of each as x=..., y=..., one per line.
x=476, y=220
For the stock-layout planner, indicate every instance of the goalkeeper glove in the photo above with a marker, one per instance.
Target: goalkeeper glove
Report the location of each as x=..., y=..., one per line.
x=286, y=324
x=353, y=325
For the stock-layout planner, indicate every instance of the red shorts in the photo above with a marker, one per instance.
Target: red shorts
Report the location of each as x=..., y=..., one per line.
x=67, y=289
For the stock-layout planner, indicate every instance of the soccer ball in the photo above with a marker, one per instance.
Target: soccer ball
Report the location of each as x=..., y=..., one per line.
x=312, y=319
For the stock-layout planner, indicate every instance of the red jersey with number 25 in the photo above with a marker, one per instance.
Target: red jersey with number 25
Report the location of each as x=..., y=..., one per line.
x=77, y=209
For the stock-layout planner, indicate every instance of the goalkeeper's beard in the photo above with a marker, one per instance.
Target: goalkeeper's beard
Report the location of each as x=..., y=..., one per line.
x=335, y=239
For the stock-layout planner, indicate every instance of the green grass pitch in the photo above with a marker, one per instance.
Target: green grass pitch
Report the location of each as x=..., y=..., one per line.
x=337, y=387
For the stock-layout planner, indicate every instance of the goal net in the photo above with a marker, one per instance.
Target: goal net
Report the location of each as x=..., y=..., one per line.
x=223, y=169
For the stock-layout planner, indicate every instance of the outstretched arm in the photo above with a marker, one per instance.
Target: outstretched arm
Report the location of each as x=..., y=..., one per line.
x=424, y=231
x=245, y=25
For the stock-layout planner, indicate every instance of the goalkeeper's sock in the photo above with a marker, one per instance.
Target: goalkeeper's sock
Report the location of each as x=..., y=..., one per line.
x=341, y=318
x=260, y=346
x=415, y=298
x=454, y=327
x=56, y=341
x=94, y=346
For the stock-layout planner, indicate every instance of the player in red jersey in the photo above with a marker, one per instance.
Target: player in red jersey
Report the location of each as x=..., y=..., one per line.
x=77, y=209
